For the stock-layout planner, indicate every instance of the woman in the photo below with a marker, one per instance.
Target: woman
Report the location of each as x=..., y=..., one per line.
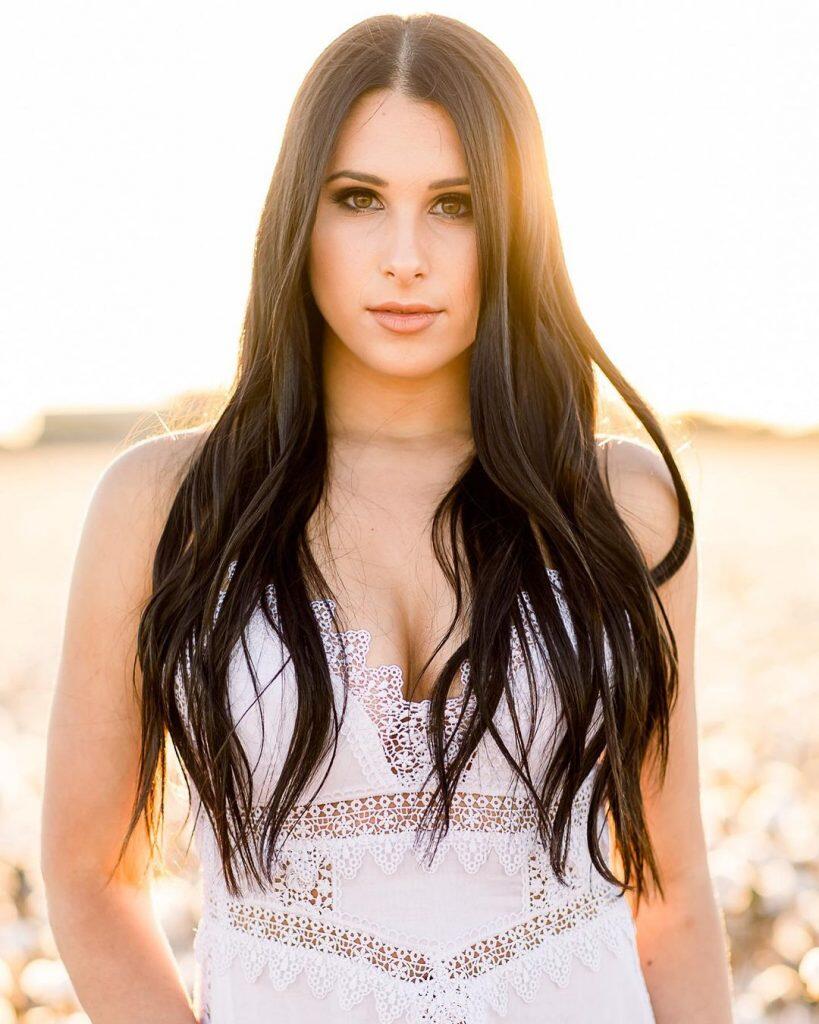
x=400, y=588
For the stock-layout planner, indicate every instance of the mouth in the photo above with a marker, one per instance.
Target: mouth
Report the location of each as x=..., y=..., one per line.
x=405, y=322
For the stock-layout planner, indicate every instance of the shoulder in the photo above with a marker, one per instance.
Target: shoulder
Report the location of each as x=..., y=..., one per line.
x=148, y=471
x=160, y=453
x=131, y=500
x=642, y=489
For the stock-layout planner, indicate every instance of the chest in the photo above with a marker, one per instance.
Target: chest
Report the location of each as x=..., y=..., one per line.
x=372, y=541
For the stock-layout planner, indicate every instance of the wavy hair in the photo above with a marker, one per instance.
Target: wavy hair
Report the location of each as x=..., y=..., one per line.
x=533, y=484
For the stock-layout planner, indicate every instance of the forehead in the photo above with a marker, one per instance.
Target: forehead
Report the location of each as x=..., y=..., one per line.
x=403, y=140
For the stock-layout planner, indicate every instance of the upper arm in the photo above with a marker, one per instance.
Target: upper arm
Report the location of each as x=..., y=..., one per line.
x=94, y=726
x=644, y=495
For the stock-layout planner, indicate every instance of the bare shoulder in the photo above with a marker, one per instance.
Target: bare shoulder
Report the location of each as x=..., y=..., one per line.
x=131, y=501
x=156, y=463
x=143, y=479
x=643, y=492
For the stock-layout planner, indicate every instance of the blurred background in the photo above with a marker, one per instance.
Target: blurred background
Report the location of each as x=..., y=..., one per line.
x=683, y=151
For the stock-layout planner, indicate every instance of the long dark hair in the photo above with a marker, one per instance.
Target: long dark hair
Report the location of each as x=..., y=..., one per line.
x=533, y=484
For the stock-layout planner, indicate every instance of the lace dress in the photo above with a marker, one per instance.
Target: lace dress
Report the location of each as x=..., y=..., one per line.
x=359, y=926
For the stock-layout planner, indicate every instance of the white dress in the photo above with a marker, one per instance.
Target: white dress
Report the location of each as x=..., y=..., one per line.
x=359, y=927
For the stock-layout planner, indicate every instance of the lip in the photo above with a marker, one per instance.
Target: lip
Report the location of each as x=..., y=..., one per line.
x=406, y=307
x=405, y=323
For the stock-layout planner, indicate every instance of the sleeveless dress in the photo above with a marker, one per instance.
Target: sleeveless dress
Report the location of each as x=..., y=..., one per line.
x=360, y=926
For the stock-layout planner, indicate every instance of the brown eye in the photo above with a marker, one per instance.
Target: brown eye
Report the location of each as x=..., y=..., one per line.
x=342, y=197
x=455, y=200
x=362, y=195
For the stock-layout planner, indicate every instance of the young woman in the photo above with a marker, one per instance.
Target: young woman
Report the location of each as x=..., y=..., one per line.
x=422, y=638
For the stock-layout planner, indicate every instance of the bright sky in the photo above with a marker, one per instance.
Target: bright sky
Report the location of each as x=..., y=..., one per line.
x=140, y=139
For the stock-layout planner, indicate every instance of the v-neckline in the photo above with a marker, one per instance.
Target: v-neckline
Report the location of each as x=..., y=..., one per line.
x=360, y=641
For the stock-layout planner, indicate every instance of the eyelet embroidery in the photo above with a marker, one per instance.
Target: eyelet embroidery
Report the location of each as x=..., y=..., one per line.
x=292, y=886
x=298, y=925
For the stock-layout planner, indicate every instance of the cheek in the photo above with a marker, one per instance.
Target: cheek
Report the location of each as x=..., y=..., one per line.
x=334, y=264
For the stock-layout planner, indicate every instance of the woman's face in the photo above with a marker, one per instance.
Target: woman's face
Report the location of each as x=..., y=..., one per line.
x=407, y=237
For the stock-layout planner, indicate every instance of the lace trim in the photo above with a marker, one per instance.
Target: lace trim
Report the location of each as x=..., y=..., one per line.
x=419, y=987
x=386, y=825
x=390, y=677
x=359, y=642
x=403, y=725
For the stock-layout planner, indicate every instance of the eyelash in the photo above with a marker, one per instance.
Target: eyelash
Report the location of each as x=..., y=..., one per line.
x=340, y=197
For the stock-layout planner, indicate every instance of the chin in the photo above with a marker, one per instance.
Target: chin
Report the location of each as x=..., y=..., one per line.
x=410, y=357
x=405, y=364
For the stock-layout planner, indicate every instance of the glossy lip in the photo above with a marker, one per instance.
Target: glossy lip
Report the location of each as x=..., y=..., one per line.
x=405, y=307
x=404, y=323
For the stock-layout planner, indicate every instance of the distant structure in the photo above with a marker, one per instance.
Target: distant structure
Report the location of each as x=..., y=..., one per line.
x=84, y=426
x=97, y=425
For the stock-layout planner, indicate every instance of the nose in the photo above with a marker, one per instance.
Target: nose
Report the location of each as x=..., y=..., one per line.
x=404, y=257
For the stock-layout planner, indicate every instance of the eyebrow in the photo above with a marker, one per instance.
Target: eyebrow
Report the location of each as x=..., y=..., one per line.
x=373, y=179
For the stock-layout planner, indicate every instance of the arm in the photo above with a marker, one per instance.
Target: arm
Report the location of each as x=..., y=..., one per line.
x=109, y=937
x=681, y=939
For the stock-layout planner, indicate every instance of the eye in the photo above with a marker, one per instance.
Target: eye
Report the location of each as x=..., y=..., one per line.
x=347, y=193
x=454, y=198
